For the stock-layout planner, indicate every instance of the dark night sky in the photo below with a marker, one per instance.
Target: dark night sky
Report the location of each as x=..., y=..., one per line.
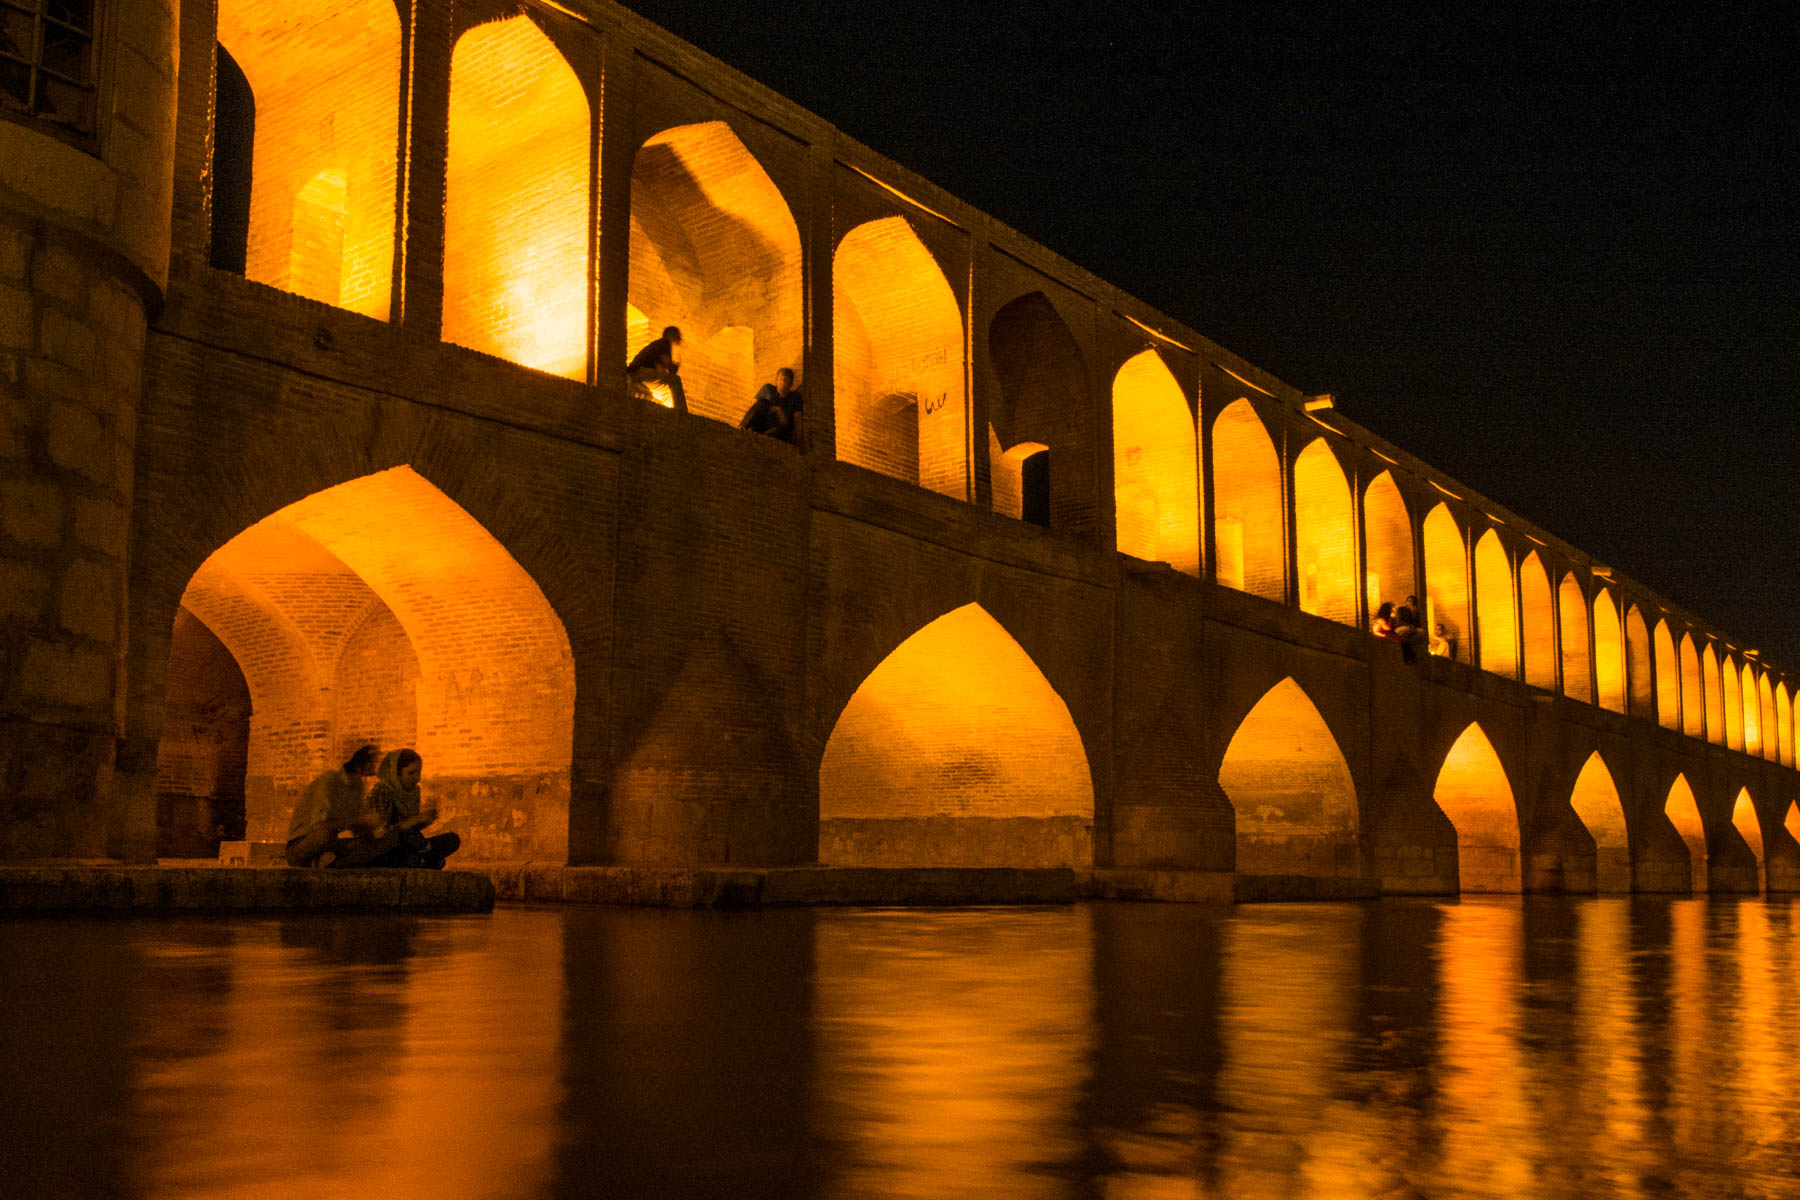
x=1552, y=252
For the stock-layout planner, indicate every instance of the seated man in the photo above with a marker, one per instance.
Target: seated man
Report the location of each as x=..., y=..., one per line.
x=660, y=362
x=1441, y=645
x=777, y=412
x=333, y=804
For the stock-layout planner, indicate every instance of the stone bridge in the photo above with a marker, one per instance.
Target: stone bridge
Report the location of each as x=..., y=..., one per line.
x=317, y=348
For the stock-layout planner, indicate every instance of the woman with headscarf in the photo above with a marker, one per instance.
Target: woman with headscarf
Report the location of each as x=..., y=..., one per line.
x=395, y=799
x=331, y=805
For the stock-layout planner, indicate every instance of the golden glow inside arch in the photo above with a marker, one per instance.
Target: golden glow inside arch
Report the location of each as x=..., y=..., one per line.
x=1684, y=813
x=1765, y=722
x=1749, y=827
x=1291, y=789
x=1473, y=791
x=715, y=252
x=1578, y=681
x=898, y=364
x=1640, y=685
x=1693, y=697
x=1324, y=529
x=955, y=750
x=326, y=78
x=1388, y=536
x=1494, y=613
x=1155, y=466
x=1246, y=519
x=1791, y=822
x=1668, y=679
x=1731, y=687
x=1540, y=623
x=1446, y=580
x=1715, y=696
x=1752, y=712
x=517, y=200
x=1596, y=801
x=1609, y=653
x=1784, y=725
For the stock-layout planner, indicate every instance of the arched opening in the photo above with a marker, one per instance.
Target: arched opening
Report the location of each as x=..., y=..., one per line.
x=1668, y=679
x=1749, y=827
x=1640, y=687
x=233, y=163
x=1388, y=536
x=1715, y=696
x=202, y=760
x=1155, y=486
x=1768, y=735
x=897, y=347
x=1784, y=726
x=1473, y=791
x=956, y=751
x=1731, y=688
x=517, y=200
x=1248, y=530
x=1609, y=653
x=1577, y=673
x=1752, y=712
x=1684, y=813
x=1324, y=531
x=1447, y=581
x=1494, y=612
x=1596, y=801
x=1693, y=696
x=1292, y=791
x=1042, y=421
x=379, y=611
x=715, y=251
x=1540, y=623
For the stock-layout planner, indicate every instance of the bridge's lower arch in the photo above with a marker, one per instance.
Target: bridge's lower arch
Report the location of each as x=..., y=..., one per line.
x=1596, y=801
x=956, y=751
x=374, y=611
x=1684, y=813
x=1292, y=790
x=1749, y=827
x=1473, y=792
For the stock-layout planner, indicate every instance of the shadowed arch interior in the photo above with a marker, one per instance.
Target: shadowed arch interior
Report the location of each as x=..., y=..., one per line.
x=1577, y=668
x=1473, y=791
x=1641, y=688
x=203, y=758
x=1609, y=653
x=1248, y=530
x=1494, y=612
x=1693, y=696
x=1715, y=695
x=1447, y=580
x=1324, y=534
x=1684, y=813
x=1388, y=536
x=1155, y=466
x=1749, y=827
x=1043, y=402
x=1291, y=789
x=1595, y=800
x=956, y=751
x=1539, y=615
x=1668, y=679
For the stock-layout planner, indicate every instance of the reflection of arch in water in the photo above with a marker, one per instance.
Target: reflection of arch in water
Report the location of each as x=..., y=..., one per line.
x=1155, y=480
x=1246, y=518
x=1447, y=579
x=1494, y=611
x=956, y=751
x=1291, y=789
x=1749, y=826
x=1539, y=614
x=1324, y=534
x=1577, y=667
x=378, y=610
x=1473, y=791
x=1596, y=801
x=1043, y=407
x=1387, y=535
x=1684, y=813
x=714, y=251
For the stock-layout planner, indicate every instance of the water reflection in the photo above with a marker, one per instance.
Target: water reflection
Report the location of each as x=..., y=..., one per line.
x=1498, y=1047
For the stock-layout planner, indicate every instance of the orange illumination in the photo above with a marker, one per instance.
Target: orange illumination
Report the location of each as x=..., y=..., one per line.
x=1684, y=814
x=1155, y=464
x=1473, y=792
x=1642, y=694
x=715, y=251
x=516, y=208
x=1291, y=789
x=1387, y=533
x=1247, y=524
x=1715, y=696
x=898, y=360
x=1577, y=673
x=1731, y=688
x=1540, y=623
x=1668, y=679
x=891, y=190
x=1044, y=402
x=1693, y=698
x=1440, y=487
x=1768, y=726
x=1158, y=334
x=1446, y=579
x=1596, y=801
x=1791, y=823
x=1252, y=386
x=1324, y=529
x=955, y=750
x=1384, y=458
x=1784, y=724
x=1752, y=712
x=1494, y=612
x=1609, y=653
x=1749, y=826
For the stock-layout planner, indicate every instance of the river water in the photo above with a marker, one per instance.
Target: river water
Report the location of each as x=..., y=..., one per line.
x=1503, y=1047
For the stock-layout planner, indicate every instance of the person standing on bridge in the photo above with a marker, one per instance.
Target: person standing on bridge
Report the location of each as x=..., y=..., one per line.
x=777, y=411
x=660, y=362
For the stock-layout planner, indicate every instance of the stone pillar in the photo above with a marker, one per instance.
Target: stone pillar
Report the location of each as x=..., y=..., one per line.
x=84, y=251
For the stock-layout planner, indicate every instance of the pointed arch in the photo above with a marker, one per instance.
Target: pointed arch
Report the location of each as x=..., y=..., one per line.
x=1572, y=610
x=325, y=77
x=1045, y=400
x=901, y=399
x=1684, y=813
x=1596, y=801
x=1748, y=823
x=1324, y=533
x=1291, y=789
x=1784, y=726
x=1791, y=822
x=1715, y=695
x=1768, y=735
x=1247, y=507
x=1473, y=791
x=1668, y=679
x=714, y=250
x=517, y=200
x=1641, y=686
x=956, y=751
x=1155, y=466
x=1731, y=686
x=1693, y=692
x=1540, y=623
x=1609, y=653
x=1752, y=711
x=1447, y=580
x=1494, y=611
x=1388, y=536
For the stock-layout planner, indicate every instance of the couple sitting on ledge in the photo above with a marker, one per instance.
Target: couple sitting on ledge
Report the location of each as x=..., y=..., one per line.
x=776, y=411
x=385, y=828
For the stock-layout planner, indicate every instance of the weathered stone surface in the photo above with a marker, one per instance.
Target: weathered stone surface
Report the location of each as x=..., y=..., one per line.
x=86, y=888
x=72, y=676
x=31, y=512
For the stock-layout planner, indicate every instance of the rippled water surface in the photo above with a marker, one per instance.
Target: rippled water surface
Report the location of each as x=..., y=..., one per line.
x=1488, y=1048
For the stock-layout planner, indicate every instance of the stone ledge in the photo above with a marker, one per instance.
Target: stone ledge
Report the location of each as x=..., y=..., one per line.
x=709, y=887
x=237, y=889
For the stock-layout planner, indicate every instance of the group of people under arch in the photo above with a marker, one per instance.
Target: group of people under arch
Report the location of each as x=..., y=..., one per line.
x=776, y=410
x=1401, y=624
x=336, y=823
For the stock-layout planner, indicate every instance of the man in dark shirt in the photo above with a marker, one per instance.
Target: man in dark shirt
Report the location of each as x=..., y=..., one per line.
x=659, y=362
x=777, y=411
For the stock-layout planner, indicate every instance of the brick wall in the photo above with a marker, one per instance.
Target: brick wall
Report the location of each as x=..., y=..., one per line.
x=1044, y=399
x=1324, y=534
x=1595, y=799
x=1473, y=792
x=1494, y=612
x=1156, y=494
x=1247, y=505
x=1291, y=789
x=203, y=756
x=1446, y=579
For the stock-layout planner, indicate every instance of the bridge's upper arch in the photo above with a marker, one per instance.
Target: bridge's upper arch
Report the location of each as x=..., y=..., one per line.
x=1731, y=687
x=517, y=211
x=1577, y=670
x=1495, y=614
x=1754, y=710
x=1596, y=801
x=1784, y=726
x=1325, y=534
x=1447, y=580
x=898, y=364
x=1291, y=789
x=1715, y=695
x=956, y=751
x=1684, y=813
x=1473, y=791
x=1609, y=653
x=1749, y=826
x=1155, y=463
x=1642, y=700
x=1769, y=726
x=1388, y=538
x=325, y=77
x=715, y=251
x=1693, y=692
x=1247, y=505
x=1539, y=622
x=1040, y=453
x=1668, y=679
